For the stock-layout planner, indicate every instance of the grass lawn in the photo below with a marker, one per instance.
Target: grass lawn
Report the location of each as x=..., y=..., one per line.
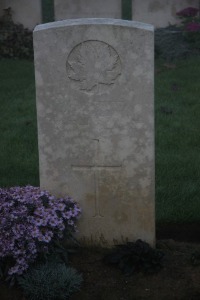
x=178, y=141
x=18, y=145
x=177, y=134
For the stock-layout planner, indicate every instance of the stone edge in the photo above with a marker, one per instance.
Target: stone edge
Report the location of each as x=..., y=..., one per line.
x=94, y=21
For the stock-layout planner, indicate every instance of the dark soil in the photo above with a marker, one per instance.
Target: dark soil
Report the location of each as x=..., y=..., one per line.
x=189, y=232
x=179, y=279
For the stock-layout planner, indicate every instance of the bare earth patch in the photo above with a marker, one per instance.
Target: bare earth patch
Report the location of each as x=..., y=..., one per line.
x=178, y=280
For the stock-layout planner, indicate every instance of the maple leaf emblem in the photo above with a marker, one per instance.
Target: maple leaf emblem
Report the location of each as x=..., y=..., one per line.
x=93, y=63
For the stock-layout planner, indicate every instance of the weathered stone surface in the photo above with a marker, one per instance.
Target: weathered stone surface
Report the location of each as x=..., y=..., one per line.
x=74, y=9
x=94, y=84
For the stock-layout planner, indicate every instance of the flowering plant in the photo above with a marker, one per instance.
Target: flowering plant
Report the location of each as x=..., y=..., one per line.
x=191, y=25
x=188, y=12
x=30, y=220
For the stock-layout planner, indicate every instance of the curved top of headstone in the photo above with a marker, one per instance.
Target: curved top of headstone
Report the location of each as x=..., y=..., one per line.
x=95, y=21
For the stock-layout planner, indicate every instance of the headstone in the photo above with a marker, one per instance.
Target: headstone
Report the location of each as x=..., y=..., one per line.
x=74, y=9
x=95, y=109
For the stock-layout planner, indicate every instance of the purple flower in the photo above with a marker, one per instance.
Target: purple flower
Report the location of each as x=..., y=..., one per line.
x=44, y=221
x=188, y=12
x=39, y=211
x=35, y=232
x=32, y=247
x=67, y=215
x=47, y=238
x=53, y=222
x=61, y=206
x=30, y=218
x=61, y=227
x=40, y=238
x=38, y=222
x=13, y=270
x=21, y=260
x=192, y=27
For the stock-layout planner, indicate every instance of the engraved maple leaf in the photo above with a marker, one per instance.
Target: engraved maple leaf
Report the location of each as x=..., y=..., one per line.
x=94, y=63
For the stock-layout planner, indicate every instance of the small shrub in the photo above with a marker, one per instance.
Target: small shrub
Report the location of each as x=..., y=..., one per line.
x=50, y=281
x=15, y=40
x=32, y=222
x=134, y=257
x=195, y=258
x=189, y=12
x=191, y=26
x=170, y=43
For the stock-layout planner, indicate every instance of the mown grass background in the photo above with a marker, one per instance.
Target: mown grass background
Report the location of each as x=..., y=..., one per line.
x=177, y=92
x=177, y=110
x=18, y=130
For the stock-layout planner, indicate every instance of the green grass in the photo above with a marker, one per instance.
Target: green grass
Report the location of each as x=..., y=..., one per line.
x=178, y=142
x=18, y=145
x=177, y=135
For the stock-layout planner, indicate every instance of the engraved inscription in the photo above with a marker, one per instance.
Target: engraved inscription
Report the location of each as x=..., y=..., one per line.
x=93, y=66
x=95, y=167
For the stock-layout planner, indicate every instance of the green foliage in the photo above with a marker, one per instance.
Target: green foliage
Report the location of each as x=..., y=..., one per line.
x=190, y=26
x=18, y=126
x=47, y=11
x=58, y=251
x=193, y=37
x=15, y=40
x=52, y=281
x=170, y=43
x=135, y=257
x=177, y=141
x=195, y=258
x=127, y=9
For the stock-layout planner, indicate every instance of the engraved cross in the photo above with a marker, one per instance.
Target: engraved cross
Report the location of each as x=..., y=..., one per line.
x=95, y=167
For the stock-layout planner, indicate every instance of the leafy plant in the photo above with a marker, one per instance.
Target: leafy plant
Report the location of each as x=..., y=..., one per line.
x=189, y=12
x=191, y=25
x=15, y=40
x=134, y=257
x=195, y=258
x=170, y=43
x=52, y=281
x=32, y=222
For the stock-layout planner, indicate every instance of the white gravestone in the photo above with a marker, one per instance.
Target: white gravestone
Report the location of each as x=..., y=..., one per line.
x=95, y=109
x=74, y=9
